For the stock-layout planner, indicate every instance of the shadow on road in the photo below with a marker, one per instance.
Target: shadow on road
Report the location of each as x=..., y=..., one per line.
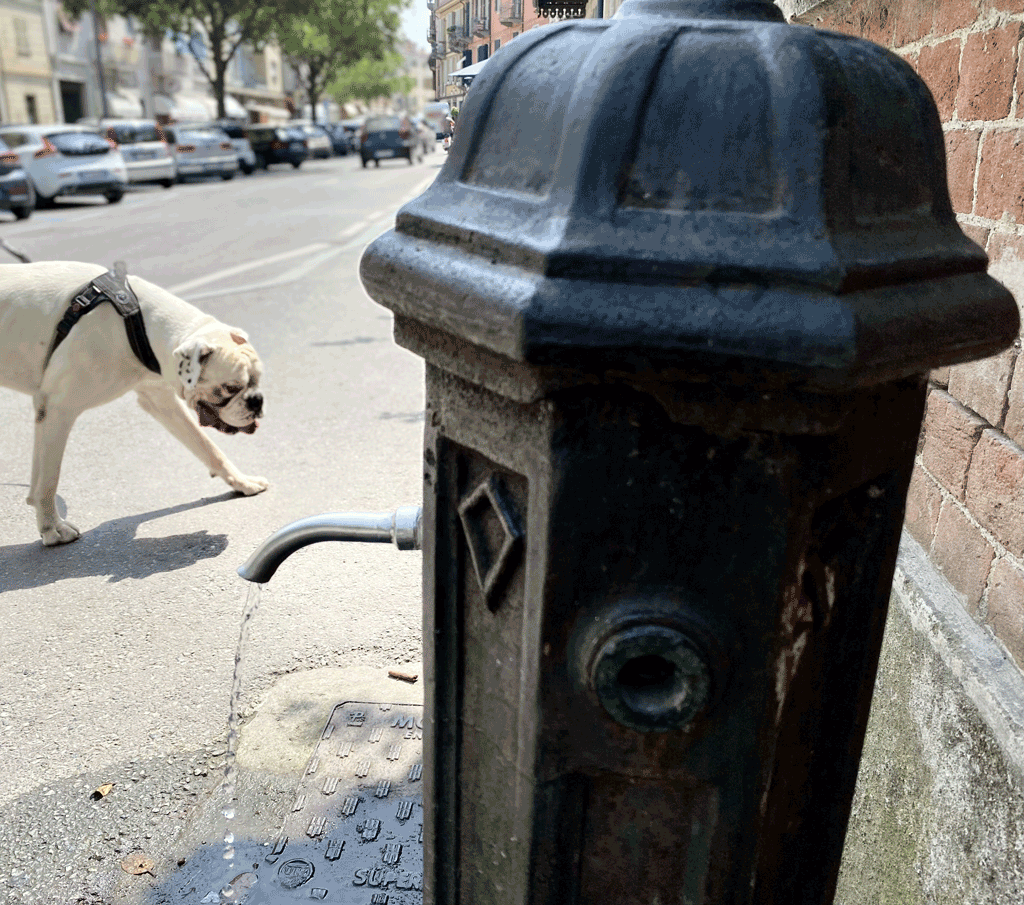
x=112, y=549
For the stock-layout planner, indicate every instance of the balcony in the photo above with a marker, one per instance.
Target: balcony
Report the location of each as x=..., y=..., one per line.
x=458, y=38
x=482, y=27
x=511, y=12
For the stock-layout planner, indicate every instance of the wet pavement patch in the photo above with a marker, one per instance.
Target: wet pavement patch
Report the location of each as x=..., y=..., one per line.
x=354, y=834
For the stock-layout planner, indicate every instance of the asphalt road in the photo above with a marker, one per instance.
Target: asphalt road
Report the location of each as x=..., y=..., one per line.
x=116, y=651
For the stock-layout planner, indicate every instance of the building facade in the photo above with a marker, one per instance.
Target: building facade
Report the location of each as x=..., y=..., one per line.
x=26, y=75
x=54, y=68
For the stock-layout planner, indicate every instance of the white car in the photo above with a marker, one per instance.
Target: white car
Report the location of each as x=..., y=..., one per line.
x=143, y=146
x=317, y=139
x=67, y=160
x=201, y=150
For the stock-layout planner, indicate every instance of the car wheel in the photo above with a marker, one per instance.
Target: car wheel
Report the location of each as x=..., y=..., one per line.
x=376, y=161
x=261, y=162
x=366, y=160
x=113, y=196
x=227, y=176
x=296, y=164
x=247, y=169
x=43, y=201
x=22, y=213
x=166, y=183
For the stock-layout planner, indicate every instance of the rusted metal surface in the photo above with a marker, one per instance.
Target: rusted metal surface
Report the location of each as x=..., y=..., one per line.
x=678, y=286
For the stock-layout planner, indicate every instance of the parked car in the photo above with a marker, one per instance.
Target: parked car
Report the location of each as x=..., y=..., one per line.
x=353, y=128
x=435, y=115
x=384, y=137
x=317, y=140
x=201, y=150
x=276, y=144
x=426, y=133
x=143, y=146
x=240, y=142
x=16, y=193
x=340, y=139
x=67, y=160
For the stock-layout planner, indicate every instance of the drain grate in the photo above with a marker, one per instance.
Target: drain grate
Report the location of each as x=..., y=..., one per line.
x=355, y=832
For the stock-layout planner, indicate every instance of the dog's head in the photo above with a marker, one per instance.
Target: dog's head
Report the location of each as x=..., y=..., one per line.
x=219, y=374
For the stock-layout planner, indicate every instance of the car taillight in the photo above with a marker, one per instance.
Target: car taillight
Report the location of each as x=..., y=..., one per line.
x=276, y=145
x=226, y=146
x=112, y=143
x=9, y=160
x=403, y=133
x=46, y=150
x=186, y=149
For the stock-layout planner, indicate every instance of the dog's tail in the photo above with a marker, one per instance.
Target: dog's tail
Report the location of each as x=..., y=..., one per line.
x=10, y=249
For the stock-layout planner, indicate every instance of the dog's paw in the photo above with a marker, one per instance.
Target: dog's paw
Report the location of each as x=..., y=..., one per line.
x=248, y=486
x=60, y=533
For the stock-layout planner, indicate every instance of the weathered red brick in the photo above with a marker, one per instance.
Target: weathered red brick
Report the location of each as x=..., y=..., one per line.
x=1004, y=6
x=1001, y=176
x=913, y=21
x=995, y=489
x=950, y=434
x=953, y=14
x=961, y=161
x=1005, y=606
x=1013, y=426
x=924, y=500
x=939, y=66
x=977, y=234
x=988, y=65
x=962, y=554
x=982, y=385
x=1005, y=247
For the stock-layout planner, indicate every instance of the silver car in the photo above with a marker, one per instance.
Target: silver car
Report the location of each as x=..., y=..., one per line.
x=201, y=150
x=143, y=146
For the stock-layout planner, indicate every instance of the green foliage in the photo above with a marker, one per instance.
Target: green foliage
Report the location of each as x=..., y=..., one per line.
x=333, y=34
x=369, y=79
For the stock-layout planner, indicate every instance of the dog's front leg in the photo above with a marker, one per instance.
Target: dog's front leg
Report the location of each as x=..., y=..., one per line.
x=53, y=425
x=160, y=401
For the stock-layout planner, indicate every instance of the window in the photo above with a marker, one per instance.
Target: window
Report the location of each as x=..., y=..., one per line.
x=30, y=108
x=21, y=38
x=481, y=53
x=497, y=44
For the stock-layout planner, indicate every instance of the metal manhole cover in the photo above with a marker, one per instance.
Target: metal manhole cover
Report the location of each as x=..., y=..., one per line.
x=355, y=832
x=354, y=835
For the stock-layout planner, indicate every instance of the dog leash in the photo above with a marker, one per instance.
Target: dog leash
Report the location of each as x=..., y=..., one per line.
x=10, y=249
x=112, y=287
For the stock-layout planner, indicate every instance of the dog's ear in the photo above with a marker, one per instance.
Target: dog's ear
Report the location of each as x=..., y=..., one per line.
x=239, y=336
x=189, y=359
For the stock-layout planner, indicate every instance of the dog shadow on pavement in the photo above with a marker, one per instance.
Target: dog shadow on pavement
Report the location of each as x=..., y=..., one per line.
x=112, y=549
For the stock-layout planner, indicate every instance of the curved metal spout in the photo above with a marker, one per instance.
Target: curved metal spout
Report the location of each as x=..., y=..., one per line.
x=402, y=526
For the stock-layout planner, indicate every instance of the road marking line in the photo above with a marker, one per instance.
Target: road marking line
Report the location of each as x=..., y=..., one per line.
x=296, y=273
x=241, y=268
x=352, y=230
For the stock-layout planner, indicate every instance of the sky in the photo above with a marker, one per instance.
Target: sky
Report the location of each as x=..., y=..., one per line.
x=416, y=21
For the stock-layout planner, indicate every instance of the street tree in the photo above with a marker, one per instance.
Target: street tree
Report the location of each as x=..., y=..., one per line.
x=370, y=79
x=216, y=28
x=331, y=35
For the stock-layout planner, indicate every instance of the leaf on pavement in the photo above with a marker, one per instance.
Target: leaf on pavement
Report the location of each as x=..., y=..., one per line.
x=137, y=864
x=102, y=791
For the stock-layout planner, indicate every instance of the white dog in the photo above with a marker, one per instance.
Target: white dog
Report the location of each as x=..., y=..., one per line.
x=203, y=364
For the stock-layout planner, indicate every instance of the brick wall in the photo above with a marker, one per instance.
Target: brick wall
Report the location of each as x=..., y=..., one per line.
x=966, y=502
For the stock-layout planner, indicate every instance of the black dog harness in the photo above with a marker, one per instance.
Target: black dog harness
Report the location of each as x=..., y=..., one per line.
x=112, y=287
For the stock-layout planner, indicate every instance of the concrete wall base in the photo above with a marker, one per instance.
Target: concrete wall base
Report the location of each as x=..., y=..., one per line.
x=938, y=815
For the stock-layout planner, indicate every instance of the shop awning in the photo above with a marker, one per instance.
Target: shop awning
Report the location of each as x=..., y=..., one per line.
x=121, y=107
x=182, y=107
x=467, y=73
x=269, y=113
